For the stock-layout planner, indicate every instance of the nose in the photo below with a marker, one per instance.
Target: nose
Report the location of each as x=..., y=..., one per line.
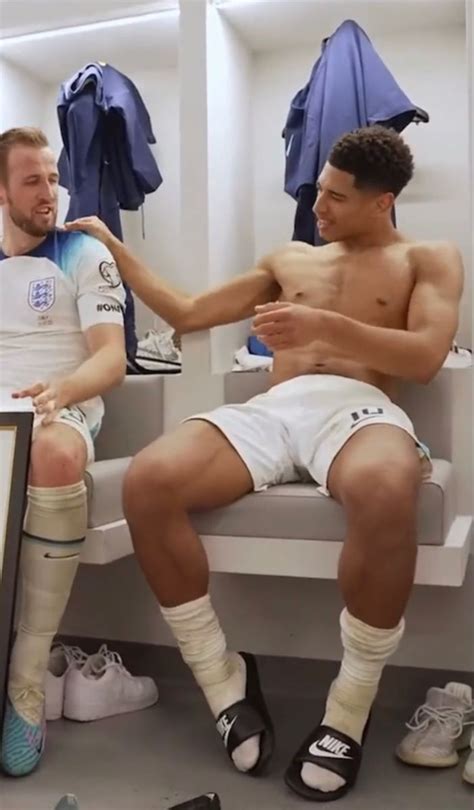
x=47, y=192
x=319, y=207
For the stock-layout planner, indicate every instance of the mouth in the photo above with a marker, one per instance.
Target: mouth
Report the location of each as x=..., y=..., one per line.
x=323, y=223
x=44, y=211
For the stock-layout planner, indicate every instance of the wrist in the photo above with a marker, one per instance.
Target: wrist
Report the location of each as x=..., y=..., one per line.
x=111, y=242
x=64, y=394
x=326, y=324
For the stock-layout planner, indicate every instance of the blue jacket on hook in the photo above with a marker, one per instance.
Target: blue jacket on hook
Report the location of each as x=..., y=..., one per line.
x=349, y=87
x=106, y=163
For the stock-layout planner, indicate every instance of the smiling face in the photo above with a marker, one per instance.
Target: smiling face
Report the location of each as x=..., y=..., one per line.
x=29, y=189
x=344, y=211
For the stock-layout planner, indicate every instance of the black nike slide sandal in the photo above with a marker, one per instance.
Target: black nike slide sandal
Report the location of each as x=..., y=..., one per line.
x=208, y=802
x=247, y=718
x=331, y=750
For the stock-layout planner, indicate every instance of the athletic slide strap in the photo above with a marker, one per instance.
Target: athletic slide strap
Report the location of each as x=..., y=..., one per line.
x=248, y=718
x=208, y=802
x=331, y=750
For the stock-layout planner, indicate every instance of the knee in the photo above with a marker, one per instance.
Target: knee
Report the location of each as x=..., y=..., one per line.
x=151, y=484
x=55, y=463
x=382, y=491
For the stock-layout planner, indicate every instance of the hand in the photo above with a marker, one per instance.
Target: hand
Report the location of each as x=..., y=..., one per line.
x=47, y=400
x=91, y=225
x=281, y=325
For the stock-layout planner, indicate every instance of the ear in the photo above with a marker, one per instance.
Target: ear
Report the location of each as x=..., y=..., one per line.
x=385, y=202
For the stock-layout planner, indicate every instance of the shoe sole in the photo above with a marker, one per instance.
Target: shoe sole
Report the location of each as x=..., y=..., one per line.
x=79, y=715
x=468, y=777
x=427, y=762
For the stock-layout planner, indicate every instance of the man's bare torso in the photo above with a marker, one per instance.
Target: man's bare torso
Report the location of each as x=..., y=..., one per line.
x=372, y=285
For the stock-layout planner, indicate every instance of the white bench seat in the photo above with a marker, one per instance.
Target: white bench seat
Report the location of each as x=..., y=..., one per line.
x=287, y=530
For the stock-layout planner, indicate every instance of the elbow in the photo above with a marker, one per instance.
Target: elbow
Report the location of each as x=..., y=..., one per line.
x=429, y=369
x=187, y=320
x=118, y=371
x=121, y=371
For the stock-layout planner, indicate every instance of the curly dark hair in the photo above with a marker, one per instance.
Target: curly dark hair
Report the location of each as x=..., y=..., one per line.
x=377, y=157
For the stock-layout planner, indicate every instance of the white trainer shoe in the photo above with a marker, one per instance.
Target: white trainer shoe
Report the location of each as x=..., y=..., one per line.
x=103, y=688
x=439, y=728
x=468, y=772
x=62, y=659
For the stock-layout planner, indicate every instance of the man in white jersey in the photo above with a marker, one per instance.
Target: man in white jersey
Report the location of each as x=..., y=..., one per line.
x=62, y=344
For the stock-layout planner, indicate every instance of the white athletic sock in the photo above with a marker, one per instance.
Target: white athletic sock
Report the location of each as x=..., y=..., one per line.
x=220, y=674
x=54, y=531
x=366, y=651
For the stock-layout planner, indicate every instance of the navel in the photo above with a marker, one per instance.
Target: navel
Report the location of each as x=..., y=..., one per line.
x=382, y=302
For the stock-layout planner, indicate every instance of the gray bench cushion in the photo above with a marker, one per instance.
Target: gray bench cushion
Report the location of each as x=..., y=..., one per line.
x=287, y=511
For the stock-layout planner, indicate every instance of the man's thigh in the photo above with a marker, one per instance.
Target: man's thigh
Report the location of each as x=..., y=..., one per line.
x=375, y=454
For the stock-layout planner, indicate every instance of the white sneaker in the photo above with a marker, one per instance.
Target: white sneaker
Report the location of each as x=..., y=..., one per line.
x=438, y=729
x=159, y=346
x=468, y=772
x=61, y=660
x=103, y=687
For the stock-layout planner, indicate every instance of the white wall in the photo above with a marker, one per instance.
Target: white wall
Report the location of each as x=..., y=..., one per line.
x=431, y=69
x=159, y=249
x=21, y=98
x=229, y=72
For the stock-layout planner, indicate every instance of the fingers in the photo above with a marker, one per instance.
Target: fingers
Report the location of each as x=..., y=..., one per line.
x=276, y=343
x=32, y=391
x=278, y=316
x=272, y=306
x=81, y=224
x=45, y=403
x=49, y=418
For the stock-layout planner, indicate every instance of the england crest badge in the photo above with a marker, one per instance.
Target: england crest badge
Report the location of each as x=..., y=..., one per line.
x=42, y=294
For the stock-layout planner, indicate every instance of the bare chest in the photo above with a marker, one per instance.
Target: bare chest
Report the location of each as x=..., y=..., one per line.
x=374, y=289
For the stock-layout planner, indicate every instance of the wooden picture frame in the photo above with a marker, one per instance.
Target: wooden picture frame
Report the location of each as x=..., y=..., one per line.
x=15, y=443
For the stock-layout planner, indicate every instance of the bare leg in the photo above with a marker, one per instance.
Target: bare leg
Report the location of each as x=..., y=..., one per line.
x=193, y=469
x=376, y=477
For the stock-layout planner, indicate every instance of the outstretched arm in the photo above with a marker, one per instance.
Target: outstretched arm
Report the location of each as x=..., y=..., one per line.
x=231, y=302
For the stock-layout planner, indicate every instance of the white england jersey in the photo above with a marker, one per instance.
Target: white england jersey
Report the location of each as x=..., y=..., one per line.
x=48, y=298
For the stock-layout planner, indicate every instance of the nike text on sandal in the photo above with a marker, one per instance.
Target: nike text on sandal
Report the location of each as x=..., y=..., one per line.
x=247, y=718
x=331, y=750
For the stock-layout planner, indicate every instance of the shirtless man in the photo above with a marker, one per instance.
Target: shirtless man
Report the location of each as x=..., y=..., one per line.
x=345, y=321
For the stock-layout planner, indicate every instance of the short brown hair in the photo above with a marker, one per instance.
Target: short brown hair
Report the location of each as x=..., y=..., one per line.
x=378, y=158
x=20, y=136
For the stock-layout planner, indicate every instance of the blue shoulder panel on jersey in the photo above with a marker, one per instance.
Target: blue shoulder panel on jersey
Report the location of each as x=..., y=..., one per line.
x=63, y=248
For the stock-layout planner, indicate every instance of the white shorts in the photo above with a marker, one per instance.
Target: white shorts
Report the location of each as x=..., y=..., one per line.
x=295, y=430
x=86, y=421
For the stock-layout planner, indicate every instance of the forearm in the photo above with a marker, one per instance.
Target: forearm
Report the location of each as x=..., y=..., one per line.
x=170, y=304
x=103, y=370
x=395, y=352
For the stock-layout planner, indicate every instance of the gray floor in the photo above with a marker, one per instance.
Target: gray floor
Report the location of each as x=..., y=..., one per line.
x=153, y=759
